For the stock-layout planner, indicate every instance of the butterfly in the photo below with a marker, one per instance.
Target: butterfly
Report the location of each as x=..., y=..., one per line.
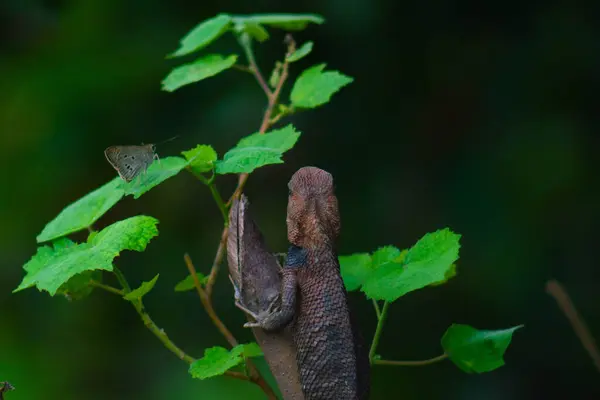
x=130, y=161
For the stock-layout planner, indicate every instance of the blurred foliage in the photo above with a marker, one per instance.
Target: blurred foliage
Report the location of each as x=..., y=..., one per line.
x=479, y=117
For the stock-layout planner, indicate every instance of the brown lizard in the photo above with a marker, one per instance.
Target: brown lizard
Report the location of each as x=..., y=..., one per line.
x=255, y=275
x=332, y=361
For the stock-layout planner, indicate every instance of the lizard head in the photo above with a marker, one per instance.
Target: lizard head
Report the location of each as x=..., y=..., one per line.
x=313, y=219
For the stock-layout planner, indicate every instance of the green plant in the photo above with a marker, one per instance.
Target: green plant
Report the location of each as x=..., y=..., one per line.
x=76, y=269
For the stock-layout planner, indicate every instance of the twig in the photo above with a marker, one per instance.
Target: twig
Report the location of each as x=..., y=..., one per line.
x=214, y=270
x=378, y=330
x=107, y=288
x=242, y=68
x=161, y=334
x=272, y=97
x=139, y=307
x=207, y=304
x=412, y=363
x=555, y=289
x=246, y=43
x=377, y=310
x=213, y=191
x=205, y=293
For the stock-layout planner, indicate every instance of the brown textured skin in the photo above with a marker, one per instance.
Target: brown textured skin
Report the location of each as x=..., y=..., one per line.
x=256, y=274
x=333, y=363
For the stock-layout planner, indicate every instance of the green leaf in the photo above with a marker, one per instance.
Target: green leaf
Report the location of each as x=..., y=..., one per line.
x=275, y=75
x=140, y=292
x=188, y=283
x=302, y=52
x=258, y=150
x=477, y=351
x=315, y=87
x=204, y=67
x=217, y=360
x=79, y=287
x=84, y=212
x=289, y=22
x=384, y=255
x=158, y=172
x=425, y=263
x=203, y=34
x=252, y=28
x=451, y=273
x=51, y=267
x=249, y=350
x=201, y=158
x=355, y=269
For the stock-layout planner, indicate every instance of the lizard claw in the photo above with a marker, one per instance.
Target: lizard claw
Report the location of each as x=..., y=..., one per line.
x=247, y=311
x=237, y=292
x=272, y=306
x=252, y=325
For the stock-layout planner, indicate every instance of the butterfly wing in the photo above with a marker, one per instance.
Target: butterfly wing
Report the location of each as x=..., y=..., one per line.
x=128, y=161
x=112, y=154
x=130, y=170
x=147, y=156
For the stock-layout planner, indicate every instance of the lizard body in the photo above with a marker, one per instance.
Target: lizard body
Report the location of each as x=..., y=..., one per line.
x=331, y=360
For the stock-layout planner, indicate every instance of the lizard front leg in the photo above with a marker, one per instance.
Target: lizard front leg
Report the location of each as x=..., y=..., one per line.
x=280, y=318
x=296, y=258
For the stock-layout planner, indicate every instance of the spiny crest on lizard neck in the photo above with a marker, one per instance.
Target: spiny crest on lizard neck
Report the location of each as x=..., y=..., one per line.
x=313, y=218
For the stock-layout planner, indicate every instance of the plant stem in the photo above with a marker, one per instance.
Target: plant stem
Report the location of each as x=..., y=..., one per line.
x=122, y=281
x=205, y=293
x=214, y=192
x=220, y=203
x=242, y=68
x=214, y=270
x=377, y=310
x=246, y=43
x=378, y=330
x=159, y=333
x=207, y=304
x=273, y=98
x=412, y=363
x=107, y=288
x=178, y=352
x=555, y=289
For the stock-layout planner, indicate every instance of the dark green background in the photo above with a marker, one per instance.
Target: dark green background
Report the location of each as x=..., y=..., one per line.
x=479, y=116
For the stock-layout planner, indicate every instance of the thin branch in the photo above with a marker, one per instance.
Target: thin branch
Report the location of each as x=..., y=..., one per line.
x=213, y=191
x=207, y=303
x=242, y=68
x=159, y=333
x=378, y=330
x=377, y=309
x=107, y=288
x=412, y=363
x=205, y=293
x=555, y=289
x=246, y=43
x=214, y=270
x=273, y=98
x=255, y=376
x=219, y=200
x=237, y=375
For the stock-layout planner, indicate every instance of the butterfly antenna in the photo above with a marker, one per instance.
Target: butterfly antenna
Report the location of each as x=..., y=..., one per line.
x=168, y=140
